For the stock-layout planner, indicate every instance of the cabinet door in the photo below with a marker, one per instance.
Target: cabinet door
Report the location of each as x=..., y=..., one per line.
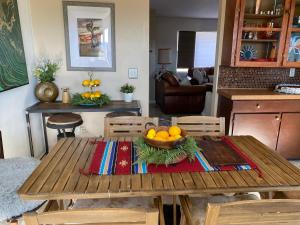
x=289, y=136
x=262, y=33
x=291, y=57
x=264, y=127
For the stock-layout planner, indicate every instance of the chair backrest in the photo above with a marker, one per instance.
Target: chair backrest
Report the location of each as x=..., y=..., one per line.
x=127, y=126
x=95, y=216
x=201, y=125
x=271, y=212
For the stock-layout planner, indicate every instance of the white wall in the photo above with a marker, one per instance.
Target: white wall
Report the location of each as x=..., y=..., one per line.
x=166, y=28
x=14, y=102
x=43, y=35
x=132, y=51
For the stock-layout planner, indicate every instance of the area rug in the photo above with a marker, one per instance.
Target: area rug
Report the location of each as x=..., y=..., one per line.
x=13, y=173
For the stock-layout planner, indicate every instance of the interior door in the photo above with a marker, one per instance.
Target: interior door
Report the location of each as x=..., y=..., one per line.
x=289, y=137
x=264, y=127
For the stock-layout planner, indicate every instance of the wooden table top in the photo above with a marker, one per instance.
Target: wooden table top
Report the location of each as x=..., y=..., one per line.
x=58, y=176
x=255, y=94
x=59, y=107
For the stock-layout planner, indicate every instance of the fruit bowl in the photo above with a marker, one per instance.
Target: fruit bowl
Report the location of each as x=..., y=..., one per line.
x=164, y=144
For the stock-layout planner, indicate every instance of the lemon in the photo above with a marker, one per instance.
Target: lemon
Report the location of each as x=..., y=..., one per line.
x=172, y=138
x=177, y=137
x=92, y=96
x=162, y=134
x=97, y=82
x=157, y=138
x=92, y=84
x=97, y=94
x=86, y=95
x=149, y=136
x=86, y=83
x=174, y=131
x=152, y=132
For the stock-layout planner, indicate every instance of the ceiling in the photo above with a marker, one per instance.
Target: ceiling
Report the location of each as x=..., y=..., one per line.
x=185, y=8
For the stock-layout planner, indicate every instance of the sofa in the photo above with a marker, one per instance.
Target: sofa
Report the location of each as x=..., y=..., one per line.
x=176, y=99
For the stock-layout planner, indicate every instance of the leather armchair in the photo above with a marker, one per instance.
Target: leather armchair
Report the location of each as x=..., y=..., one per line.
x=173, y=98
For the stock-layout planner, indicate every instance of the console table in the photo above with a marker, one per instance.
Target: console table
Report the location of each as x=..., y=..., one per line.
x=46, y=109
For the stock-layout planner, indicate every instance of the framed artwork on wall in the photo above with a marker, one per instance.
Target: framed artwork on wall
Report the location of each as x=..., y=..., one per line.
x=13, y=69
x=90, y=36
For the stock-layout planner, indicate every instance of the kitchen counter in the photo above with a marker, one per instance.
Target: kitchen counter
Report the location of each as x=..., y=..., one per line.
x=255, y=94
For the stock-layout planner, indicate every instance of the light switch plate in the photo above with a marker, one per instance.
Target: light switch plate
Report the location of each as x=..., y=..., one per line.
x=133, y=73
x=292, y=72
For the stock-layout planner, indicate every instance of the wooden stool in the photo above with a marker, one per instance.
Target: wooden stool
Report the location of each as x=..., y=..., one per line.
x=118, y=114
x=64, y=121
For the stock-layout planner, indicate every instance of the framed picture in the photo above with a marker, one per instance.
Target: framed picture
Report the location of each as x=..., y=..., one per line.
x=13, y=69
x=90, y=36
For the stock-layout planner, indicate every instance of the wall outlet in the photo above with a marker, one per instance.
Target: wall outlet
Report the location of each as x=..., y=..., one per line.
x=133, y=73
x=83, y=130
x=292, y=72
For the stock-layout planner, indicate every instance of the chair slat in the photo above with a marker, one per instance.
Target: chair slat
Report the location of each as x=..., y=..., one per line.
x=201, y=125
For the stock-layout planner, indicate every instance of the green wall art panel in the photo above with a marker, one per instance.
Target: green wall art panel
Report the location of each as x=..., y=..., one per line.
x=13, y=70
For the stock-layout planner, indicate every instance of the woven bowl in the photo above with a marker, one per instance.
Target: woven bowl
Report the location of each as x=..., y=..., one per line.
x=164, y=144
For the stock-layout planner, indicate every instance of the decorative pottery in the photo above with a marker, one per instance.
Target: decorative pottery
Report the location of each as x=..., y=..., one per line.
x=66, y=97
x=248, y=52
x=128, y=97
x=164, y=145
x=46, y=92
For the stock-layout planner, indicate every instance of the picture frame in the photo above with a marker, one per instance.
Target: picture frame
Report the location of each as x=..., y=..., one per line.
x=13, y=67
x=90, y=36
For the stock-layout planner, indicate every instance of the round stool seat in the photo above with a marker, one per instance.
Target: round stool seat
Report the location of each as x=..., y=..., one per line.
x=118, y=114
x=64, y=121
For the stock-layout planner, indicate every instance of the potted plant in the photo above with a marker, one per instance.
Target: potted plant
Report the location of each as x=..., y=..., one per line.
x=46, y=90
x=127, y=91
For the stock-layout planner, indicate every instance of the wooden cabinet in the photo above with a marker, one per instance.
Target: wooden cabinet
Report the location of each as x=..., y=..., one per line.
x=276, y=123
x=289, y=136
x=264, y=36
x=264, y=127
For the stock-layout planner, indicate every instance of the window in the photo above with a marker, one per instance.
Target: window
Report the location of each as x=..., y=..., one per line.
x=196, y=49
x=205, y=49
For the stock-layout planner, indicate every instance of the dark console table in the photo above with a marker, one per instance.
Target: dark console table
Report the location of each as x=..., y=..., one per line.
x=46, y=109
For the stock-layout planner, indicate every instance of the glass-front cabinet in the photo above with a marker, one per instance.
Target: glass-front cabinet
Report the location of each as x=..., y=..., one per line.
x=291, y=56
x=262, y=31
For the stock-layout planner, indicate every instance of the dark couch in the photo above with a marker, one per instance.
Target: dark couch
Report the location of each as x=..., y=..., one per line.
x=173, y=98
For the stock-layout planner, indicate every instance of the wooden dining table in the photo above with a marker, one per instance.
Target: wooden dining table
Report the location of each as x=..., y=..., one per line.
x=58, y=176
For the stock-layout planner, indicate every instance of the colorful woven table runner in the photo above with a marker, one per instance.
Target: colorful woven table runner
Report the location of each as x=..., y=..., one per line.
x=120, y=158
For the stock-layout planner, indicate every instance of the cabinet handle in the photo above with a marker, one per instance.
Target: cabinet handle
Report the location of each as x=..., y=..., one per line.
x=277, y=118
x=258, y=106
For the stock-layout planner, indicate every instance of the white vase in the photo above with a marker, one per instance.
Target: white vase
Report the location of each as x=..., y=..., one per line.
x=128, y=97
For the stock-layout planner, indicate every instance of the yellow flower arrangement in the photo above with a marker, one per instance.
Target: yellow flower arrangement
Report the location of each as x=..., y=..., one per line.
x=91, y=96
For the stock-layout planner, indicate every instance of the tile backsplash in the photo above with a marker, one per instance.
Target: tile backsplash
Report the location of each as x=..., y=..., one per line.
x=240, y=77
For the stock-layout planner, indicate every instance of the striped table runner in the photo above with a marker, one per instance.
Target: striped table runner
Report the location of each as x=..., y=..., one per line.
x=120, y=158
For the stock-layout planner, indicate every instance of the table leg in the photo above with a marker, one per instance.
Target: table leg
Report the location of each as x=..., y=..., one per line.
x=29, y=134
x=45, y=133
x=174, y=210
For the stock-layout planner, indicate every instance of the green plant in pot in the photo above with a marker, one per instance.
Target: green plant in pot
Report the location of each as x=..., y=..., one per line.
x=127, y=91
x=46, y=90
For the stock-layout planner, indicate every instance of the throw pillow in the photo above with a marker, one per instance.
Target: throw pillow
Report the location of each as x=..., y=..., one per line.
x=199, y=75
x=170, y=78
x=185, y=82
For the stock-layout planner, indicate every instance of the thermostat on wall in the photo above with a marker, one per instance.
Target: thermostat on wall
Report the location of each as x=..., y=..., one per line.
x=133, y=73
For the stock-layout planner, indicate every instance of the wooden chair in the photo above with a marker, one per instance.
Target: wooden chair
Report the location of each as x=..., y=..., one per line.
x=253, y=212
x=201, y=125
x=95, y=216
x=130, y=126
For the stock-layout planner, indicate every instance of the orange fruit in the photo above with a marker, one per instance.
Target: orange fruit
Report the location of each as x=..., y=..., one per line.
x=172, y=138
x=174, y=131
x=162, y=134
x=156, y=138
